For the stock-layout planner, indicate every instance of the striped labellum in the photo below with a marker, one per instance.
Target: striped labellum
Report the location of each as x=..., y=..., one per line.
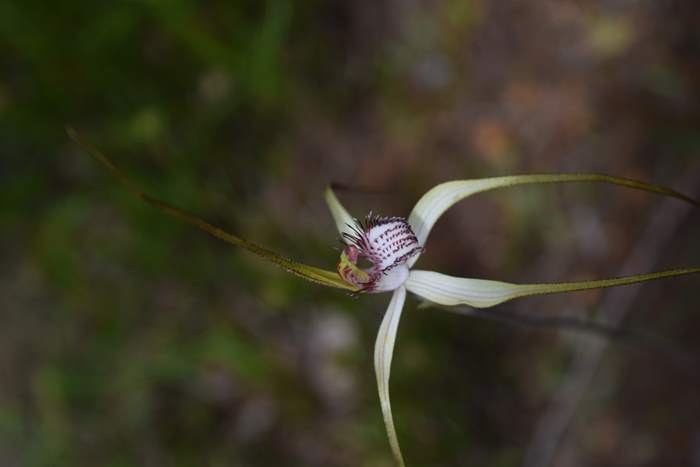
x=387, y=243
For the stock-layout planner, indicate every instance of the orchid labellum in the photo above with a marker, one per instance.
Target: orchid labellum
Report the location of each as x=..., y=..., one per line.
x=392, y=245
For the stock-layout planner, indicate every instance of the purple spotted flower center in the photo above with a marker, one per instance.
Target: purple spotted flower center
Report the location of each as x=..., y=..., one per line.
x=385, y=242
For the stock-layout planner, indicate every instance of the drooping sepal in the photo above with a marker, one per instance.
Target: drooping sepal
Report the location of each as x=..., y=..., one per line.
x=383, y=353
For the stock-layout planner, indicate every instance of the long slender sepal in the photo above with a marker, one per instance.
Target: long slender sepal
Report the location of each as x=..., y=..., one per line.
x=343, y=220
x=440, y=198
x=383, y=352
x=310, y=273
x=480, y=293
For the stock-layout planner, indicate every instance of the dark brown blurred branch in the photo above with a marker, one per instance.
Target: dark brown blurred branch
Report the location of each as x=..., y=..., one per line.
x=359, y=189
x=656, y=345
x=550, y=431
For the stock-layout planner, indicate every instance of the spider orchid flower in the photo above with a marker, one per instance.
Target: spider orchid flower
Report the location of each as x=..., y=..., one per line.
x=392, y=245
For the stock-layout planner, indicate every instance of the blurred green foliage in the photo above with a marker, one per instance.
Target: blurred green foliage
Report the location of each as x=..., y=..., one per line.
x=183, y=92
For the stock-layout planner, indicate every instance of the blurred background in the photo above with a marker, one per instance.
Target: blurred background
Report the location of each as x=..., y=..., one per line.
x=128, y=338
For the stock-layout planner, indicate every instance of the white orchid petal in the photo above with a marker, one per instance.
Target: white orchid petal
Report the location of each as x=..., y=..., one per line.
x=383, y=352
x=340, y=215
x=450, y=291
x=440, y=198
x=479, y=293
